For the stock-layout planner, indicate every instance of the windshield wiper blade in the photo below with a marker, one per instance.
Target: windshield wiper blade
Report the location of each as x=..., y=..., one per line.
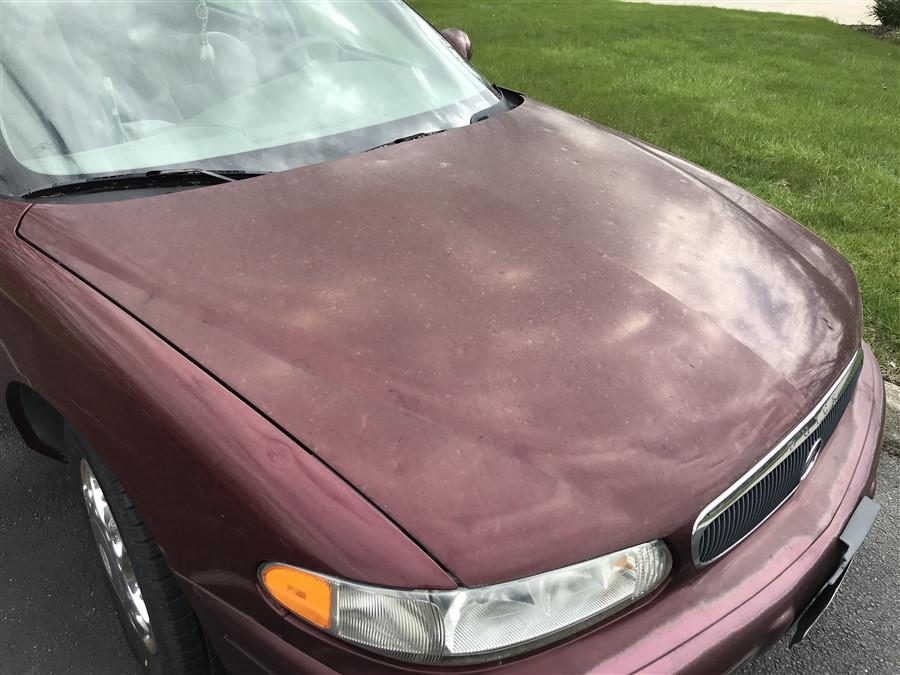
x=145, y=179
x=404, y=139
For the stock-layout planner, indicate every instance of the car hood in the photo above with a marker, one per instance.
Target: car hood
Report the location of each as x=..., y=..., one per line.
x=530, y=341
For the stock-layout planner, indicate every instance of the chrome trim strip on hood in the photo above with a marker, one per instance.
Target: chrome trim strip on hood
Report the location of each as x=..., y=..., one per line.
x=771, y=461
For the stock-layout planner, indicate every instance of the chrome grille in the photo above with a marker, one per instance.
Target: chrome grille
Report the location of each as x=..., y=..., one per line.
x=757, y=495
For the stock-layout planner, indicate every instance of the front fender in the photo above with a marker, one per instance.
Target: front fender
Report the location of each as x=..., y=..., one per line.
x=220, y=487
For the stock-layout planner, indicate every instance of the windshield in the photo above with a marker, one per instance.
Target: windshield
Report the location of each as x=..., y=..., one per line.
x=99, y=88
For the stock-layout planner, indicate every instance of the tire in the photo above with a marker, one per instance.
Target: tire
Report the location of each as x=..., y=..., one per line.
x=161, y=627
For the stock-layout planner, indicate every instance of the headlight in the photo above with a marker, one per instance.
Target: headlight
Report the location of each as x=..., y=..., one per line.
x=470, y=624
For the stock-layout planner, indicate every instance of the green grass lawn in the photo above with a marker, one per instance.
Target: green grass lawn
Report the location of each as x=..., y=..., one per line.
x=800, y=111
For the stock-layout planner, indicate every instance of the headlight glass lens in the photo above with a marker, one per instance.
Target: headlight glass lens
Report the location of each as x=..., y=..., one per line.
x=471, y=624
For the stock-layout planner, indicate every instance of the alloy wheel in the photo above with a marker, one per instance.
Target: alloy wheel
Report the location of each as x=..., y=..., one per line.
x=115, y=558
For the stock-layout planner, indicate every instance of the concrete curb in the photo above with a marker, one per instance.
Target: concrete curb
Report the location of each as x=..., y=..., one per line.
x=849, y=12
x=892, y=419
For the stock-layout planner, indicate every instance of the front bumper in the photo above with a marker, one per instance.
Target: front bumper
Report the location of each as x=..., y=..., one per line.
x=710, y=622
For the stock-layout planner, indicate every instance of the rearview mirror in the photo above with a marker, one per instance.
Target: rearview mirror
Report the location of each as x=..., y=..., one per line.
x=460, y=41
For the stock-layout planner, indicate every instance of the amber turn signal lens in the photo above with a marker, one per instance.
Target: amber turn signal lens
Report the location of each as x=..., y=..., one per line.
x=305, y=594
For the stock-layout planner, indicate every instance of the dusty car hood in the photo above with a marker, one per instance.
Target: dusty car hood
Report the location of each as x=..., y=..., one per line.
x=530, y=341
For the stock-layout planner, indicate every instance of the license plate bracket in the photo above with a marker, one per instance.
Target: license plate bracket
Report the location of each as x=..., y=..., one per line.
x=858, y=527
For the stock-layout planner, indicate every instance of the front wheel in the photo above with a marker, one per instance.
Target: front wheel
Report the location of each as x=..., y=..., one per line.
x=159, y=624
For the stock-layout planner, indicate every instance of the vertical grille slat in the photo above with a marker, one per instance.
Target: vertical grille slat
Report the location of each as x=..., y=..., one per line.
x=760, y=495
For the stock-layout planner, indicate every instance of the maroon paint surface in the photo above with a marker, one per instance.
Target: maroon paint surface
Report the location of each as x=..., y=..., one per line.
x=529, y=341
x=709, y=623
x=526, y=342
x=221, y=489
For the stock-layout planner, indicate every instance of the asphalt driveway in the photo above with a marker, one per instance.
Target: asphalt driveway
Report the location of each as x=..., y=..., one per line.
x=56, y=616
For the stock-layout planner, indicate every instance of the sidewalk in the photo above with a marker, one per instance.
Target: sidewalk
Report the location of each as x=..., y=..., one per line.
x=841, y=11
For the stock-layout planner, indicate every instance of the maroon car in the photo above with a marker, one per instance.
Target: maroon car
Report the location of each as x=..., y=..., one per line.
x=365, y=364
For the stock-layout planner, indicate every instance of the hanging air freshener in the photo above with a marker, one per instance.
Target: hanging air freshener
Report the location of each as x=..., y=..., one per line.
x=207, y=53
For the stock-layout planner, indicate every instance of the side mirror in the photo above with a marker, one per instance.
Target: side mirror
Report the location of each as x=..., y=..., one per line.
x=460, y=41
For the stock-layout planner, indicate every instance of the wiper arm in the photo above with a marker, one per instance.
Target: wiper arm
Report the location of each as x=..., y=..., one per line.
x=404, y=139
x=508, y=99
x=131, y=181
